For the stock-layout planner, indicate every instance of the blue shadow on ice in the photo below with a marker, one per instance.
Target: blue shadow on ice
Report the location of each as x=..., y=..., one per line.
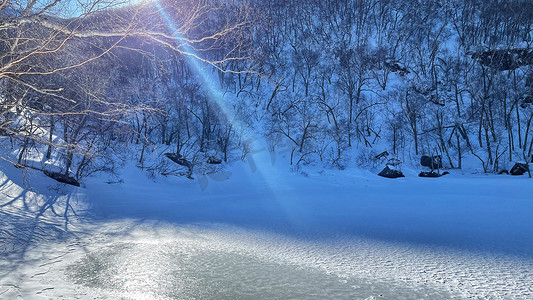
x=490, y=214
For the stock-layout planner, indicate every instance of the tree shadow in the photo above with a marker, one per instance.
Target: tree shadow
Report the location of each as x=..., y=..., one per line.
x=33, y=210
x=37, y=210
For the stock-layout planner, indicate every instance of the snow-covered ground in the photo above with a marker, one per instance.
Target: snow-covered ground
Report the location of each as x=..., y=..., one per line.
x=258, y=231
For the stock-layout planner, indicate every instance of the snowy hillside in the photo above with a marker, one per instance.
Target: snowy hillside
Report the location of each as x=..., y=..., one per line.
x=335, y=84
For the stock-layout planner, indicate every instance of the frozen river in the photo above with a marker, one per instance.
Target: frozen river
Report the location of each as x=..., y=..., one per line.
x=153, y=260
x=221, y=264
x=313, y=238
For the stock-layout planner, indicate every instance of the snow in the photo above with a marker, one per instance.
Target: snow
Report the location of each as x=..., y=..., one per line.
x=258, y=230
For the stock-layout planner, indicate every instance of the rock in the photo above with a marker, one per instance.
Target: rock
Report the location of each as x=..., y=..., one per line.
x=505, y=59
x=214, y=161
x=390, y=173
x=432, y=174
x=61, y=178
x=519, y=169
x=432, y=162
x=395, y=67
x=503, y=172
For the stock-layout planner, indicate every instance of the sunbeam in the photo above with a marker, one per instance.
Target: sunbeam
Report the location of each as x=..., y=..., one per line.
x=260, y=159
x=215, y=93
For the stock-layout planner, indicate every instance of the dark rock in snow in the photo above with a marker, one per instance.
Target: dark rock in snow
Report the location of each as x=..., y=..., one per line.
x=432, y=162
x=395, y=67
x=519, y=169
x=178, y=159
x=390, y=173
x=432, y=174
x=505, y=59
x=503, y=172
x=61, y=178
x=214, y=161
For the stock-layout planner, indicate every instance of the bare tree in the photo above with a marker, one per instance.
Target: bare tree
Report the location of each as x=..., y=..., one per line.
x=59, y=63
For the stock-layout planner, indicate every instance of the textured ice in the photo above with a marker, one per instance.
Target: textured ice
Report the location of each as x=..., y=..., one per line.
x=151, y=260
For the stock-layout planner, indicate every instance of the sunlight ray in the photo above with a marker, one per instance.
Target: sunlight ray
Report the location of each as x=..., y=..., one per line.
x=223, y=101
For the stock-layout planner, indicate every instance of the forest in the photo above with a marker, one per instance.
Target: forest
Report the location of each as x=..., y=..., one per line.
x=85, y=87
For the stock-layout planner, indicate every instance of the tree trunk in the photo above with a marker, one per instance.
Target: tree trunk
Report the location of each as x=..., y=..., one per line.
x=50, y=137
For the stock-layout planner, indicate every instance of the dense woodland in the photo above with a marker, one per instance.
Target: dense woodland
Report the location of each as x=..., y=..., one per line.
x=330, y=83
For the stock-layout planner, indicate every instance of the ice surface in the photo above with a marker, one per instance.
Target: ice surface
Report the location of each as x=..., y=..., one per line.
x=267, y=234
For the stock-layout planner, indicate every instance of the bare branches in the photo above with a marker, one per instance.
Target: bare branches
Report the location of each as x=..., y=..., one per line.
x=4, y=2
x=69, y=77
